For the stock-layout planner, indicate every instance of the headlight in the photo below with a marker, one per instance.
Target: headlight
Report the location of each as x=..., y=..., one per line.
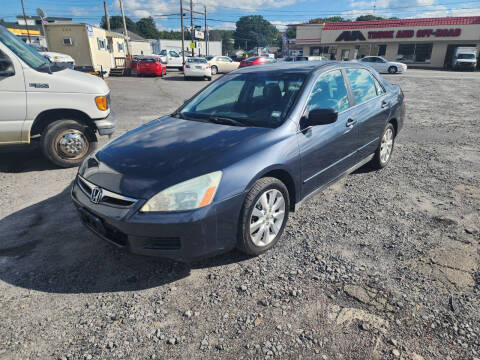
x=102, y=103
x=188, y=195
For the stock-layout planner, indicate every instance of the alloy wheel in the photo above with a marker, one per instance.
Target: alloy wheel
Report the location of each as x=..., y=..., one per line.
x=267, y=217
x=386, y=146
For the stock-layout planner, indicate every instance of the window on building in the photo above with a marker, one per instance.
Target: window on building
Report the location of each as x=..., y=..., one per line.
x=101, y=44
x=382, y=50
x=363, y=85
x=415, y=53
x=345, y=54
x=67, y=41
x=315, y=51
x=329, y=92
x=120, y=47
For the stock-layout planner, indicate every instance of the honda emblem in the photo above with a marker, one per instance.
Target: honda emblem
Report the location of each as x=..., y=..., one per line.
x=96, y=195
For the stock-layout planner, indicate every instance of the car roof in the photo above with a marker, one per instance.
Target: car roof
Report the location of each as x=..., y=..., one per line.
x=305, y=67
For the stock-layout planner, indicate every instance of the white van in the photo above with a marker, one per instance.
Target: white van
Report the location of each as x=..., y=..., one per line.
x=172, y=58
x=62, y=108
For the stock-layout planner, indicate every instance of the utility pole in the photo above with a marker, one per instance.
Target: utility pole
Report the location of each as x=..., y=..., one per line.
x=125, y=31
x=26, y=25
x=107, y=18
x=183, y=32
x=191, y=26
x=206, y=32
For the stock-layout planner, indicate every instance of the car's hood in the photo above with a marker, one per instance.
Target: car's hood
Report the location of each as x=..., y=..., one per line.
x=397, y=63
x=163, y=153
x=470, y=61
x=54, y=56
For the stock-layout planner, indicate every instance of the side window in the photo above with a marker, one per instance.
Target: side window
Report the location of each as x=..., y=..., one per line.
x=329, y=92
x=363, y=85
x=4, y=61
x=173, y=54
x=379, y=87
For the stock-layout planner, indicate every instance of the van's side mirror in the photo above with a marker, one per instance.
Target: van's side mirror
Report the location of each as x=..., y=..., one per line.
x=321, y=117
x=6, y=68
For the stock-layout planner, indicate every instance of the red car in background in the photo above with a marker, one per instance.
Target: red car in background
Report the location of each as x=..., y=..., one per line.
x=258, y=60
x=151, y=66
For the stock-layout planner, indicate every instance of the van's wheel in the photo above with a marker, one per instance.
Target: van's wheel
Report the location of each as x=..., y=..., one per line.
x=67, y=142
x=214, y=70
x=392, y=70
x=384, y=151
x=263, y=217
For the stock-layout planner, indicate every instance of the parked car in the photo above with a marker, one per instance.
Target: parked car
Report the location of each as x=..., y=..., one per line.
x=197, y=67
x=172, y=58
x=465, y=58
x=382, y=65
x=227, y=167
x=257, y=60
x=62, y=108
x=303, y=58
x=222, y=64
x=152, y=65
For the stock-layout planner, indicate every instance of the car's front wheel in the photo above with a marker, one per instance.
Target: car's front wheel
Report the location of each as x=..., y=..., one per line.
x=264, y=215
x=67, y=142
x=392, y=70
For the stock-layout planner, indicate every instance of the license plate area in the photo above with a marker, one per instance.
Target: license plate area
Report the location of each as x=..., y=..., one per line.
x=198, y=67
x=92, y=221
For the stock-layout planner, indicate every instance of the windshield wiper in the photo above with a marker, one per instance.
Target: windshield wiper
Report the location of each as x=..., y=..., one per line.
x=227, y=121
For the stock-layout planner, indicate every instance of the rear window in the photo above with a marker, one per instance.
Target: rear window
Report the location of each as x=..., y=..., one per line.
x=197, y=61
x=363, y=85
x=148, y=60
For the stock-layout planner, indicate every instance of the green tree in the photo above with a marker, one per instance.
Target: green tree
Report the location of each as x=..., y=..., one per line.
x=146, y=28
x=225, y=36
x=256, y=31
x=330, y=19
x=291, y=32
x=117, y=23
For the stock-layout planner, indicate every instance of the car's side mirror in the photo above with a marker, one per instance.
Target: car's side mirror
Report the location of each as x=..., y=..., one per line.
x=321, y=117
x=6, y=67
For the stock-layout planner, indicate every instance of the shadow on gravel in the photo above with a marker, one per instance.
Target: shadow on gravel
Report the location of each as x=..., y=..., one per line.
x=45, y=247
x=23, y=158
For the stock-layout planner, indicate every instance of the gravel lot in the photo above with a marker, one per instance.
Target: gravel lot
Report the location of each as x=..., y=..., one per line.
x=382, y=265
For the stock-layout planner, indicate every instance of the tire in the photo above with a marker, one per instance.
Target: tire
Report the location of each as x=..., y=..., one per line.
x=186, y=78
x=379, y=162
x=214, y=70
x=62, y=136
x=261, y=242
x=392, y=70
x=209, y=78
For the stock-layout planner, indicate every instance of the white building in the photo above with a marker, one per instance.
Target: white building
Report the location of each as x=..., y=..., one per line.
x=214, y=47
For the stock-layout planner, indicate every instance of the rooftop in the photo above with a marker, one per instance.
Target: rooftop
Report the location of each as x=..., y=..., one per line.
x=463, y=20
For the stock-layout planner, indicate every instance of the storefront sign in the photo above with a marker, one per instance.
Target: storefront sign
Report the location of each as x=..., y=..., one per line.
x=405, y=34
x=351, y=36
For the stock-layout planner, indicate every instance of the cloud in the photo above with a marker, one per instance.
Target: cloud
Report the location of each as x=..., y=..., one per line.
x=280, y=25
x=441, y=11
x=79, y=11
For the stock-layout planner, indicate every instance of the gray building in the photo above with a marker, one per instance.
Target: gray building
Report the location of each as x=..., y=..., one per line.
x=214, y=47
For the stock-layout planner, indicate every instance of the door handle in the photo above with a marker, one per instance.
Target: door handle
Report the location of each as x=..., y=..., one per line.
x=385, y=104
x=351, y=122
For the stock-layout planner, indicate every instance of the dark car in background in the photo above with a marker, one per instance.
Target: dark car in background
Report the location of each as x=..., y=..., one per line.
x=257, y=60
x=226, y=168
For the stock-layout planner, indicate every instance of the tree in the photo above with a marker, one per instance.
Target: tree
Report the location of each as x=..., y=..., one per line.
x=116, y=22
x=292, y=32
x=146, y=28
x=373, y=17
x=255, y=31
x=330, y=19
x=226, y=36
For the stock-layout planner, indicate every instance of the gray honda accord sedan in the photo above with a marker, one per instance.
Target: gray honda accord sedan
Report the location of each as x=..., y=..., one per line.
x=225, y=169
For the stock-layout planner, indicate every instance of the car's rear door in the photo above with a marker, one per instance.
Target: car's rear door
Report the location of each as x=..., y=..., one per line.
x=371, y=108
x=327, y=150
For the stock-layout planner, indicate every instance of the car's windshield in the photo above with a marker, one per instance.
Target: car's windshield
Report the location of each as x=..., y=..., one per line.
x=149, y=60
x=466, y=56
x=261, y=99
x=209, y=58
x=30, y=56
x=196, y=60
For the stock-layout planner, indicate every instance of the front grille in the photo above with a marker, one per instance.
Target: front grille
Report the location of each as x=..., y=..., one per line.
x=172, y=243
x=108, y=198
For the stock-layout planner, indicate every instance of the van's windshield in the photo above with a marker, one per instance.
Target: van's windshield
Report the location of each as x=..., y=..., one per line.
x=30, y=56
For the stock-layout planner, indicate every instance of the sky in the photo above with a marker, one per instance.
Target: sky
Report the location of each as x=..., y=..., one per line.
x=222, y=14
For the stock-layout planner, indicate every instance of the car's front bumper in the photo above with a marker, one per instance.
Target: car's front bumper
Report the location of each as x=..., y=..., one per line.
x=181, y=236
x=107, y=125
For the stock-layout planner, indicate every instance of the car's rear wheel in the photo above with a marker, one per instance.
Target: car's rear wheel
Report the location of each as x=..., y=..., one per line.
x=384, y=151
x=264, y=216
x=67, y=143
x=392, y=70
x=214, y=70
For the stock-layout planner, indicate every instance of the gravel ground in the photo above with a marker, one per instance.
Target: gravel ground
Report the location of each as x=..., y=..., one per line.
x=382, y=265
